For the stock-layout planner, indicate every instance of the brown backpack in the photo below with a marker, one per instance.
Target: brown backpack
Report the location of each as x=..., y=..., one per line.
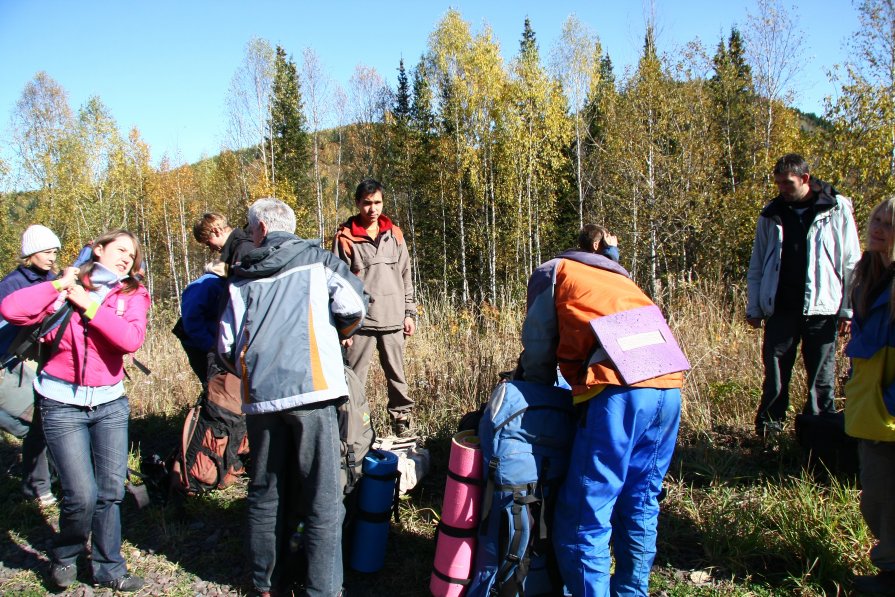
x=214, y=439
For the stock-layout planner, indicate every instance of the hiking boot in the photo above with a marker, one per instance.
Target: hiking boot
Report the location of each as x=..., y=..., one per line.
x=63, y=576
x=126, y=584
x=403, y=428
x=881, y=583
x=768, y=429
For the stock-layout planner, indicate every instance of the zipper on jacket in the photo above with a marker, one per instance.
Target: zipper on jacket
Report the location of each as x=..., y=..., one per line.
x=84, y=364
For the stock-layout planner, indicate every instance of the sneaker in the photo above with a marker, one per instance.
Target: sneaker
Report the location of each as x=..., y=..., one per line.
x=46, y=499
x=403, y=428
x=126, y=584
x=881, y=583
x=63, y=576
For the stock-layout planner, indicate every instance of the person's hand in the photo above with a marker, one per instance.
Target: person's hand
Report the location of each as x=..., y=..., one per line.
x=347, y=342
x=409, y=326
x=79, y=297
x=68, y=278
x=844, y=326
x=755, y=322
x=611, y=240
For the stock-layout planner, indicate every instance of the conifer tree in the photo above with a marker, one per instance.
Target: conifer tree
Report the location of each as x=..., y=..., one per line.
x=289, y=137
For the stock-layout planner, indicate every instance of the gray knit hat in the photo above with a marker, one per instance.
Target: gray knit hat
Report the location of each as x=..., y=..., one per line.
x=37, y=238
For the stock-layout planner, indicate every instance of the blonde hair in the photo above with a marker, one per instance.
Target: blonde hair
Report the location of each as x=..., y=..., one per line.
x=872, y=268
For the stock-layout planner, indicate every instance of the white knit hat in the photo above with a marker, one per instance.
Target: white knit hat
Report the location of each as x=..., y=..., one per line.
x=37, y=238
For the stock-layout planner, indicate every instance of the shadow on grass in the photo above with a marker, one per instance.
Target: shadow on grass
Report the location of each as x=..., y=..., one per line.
x=204, y=535
x=747, y=509
x=27, y=530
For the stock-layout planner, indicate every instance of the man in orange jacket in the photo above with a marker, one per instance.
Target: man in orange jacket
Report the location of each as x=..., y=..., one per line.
x=623, y=447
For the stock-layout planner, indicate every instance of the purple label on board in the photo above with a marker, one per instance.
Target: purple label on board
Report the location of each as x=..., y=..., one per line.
x=639, y=344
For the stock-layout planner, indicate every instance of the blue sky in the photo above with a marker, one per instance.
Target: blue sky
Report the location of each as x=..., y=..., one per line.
x=165, y=66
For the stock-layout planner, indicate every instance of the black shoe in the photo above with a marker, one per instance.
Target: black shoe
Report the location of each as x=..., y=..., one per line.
x=768, y=429
x=403, y=428
x=126, y=584
x=63, y=576
x=881, y=583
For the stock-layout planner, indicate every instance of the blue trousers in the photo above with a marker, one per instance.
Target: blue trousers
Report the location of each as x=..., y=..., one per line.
x=619, y=458
x=304, y=442
x=89, y=447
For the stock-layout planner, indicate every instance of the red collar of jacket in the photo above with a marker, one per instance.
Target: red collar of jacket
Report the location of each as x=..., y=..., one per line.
x=359, y=231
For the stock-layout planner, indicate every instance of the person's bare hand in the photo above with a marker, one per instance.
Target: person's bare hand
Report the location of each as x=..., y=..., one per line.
x=409, y=326
x=347, y=342
x=68, y=278
x=611, y=240
x=79, y=297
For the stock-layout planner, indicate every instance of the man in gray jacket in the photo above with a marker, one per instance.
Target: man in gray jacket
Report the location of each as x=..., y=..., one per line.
x=806, y=246
x=374, y=249
x=290, y=304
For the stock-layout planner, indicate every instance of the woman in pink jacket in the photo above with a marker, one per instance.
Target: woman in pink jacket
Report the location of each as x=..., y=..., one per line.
x=82, y=403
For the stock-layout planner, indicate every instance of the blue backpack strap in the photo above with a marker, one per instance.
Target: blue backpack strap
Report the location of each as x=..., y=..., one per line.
x=488, y=495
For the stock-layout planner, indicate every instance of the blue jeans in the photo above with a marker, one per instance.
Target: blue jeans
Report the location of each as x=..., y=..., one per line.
x=89, y=448
x=304, y=442
x=619, y=458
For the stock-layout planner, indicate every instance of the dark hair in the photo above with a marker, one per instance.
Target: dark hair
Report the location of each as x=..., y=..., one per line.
x=590, y=234
x=791, y=163
x=207, y=224
x=367, y=187
x=132, y=282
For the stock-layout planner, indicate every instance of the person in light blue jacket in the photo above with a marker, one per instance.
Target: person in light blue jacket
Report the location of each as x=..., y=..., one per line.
x=290, y=306
x=806, y=246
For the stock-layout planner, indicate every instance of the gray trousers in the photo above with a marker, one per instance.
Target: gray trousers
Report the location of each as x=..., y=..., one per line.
x=391, y=356
x=877, y=506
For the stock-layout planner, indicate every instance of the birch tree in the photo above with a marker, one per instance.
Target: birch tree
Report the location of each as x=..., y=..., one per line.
x=576, y=61
x=248, y=102
x=315, y=87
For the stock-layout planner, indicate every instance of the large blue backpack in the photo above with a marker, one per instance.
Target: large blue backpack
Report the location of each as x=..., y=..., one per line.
x=526, y=434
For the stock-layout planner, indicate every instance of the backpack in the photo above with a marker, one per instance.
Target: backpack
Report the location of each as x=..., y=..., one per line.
x=26, y=345
x=525, y=434
x=827, y=449
x=213, y=441
x=355, y=431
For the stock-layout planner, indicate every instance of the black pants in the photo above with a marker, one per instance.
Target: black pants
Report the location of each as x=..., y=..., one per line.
x=782, y=335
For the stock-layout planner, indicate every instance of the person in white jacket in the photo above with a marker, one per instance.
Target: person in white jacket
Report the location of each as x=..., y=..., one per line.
x=806, y=246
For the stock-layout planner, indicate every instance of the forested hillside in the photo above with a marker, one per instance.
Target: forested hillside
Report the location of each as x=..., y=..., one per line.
x=490, y=165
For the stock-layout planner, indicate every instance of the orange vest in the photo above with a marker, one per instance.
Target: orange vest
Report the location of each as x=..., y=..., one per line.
x=583, y=293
